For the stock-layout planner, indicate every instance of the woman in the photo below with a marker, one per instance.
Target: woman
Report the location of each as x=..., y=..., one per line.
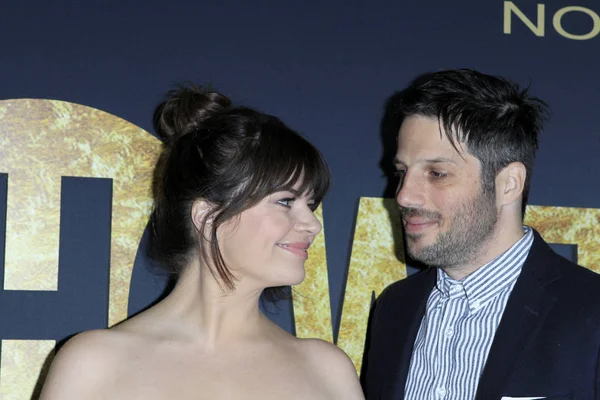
x=235, y=192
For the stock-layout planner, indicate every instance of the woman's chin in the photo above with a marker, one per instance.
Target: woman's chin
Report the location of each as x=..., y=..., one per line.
x=292, y=278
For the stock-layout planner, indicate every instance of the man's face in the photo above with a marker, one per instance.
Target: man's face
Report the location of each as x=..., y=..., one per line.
x=446, y=216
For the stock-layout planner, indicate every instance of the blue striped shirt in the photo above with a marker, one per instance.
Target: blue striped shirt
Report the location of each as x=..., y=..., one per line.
x=458, y=327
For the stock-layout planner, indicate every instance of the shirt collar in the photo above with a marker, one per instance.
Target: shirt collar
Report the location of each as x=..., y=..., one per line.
x=492, y=278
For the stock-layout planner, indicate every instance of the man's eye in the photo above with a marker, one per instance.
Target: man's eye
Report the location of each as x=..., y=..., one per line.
x=437, y=174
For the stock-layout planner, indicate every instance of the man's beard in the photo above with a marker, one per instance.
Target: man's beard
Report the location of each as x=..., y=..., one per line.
x=471, y=226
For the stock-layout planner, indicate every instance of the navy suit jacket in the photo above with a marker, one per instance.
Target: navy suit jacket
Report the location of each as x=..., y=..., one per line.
x=547, y=343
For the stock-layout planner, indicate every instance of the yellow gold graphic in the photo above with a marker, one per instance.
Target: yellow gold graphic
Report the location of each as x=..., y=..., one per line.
x=43, y=140
x=21, y=362
x=312, y=307
x=377, y=260
x=566, y=225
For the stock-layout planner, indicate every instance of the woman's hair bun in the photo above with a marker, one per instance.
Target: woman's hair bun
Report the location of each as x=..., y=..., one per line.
x=186, y=109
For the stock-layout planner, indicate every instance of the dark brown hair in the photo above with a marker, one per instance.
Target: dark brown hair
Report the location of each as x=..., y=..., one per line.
x=231, y=157
x=497, y=120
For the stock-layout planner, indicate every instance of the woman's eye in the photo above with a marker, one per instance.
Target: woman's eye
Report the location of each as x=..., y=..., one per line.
x=286, y=202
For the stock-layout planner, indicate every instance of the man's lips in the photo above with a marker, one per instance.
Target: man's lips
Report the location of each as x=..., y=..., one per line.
x=417, y=224
x=297, y=248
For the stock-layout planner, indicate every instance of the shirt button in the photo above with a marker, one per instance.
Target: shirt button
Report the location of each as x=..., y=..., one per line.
x=449, y=332
x=476, y=305
x=440, y=392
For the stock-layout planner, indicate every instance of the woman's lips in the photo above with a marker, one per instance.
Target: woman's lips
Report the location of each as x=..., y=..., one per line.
x=299, y=248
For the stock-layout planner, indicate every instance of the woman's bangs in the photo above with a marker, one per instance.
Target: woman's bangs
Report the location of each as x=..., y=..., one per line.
x=306, y=169
x=286, y=161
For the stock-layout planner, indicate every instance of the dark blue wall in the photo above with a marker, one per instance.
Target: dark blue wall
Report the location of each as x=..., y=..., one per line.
x=326, y=68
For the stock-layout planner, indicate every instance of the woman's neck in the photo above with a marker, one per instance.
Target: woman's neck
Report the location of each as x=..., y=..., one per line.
x=204, y=311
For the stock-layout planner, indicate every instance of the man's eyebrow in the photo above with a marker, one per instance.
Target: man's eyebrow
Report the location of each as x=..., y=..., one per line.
x=437, y=160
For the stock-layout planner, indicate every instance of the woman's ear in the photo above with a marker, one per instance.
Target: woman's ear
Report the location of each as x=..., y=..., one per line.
x=200, y=211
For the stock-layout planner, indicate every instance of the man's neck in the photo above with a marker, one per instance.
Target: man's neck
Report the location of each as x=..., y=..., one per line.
x=498, y=243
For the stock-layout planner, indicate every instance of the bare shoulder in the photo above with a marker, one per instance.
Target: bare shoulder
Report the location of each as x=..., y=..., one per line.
x=83, y=365
x=327, y=356
x=334, y=365
x=98, y=348
x=323, y=351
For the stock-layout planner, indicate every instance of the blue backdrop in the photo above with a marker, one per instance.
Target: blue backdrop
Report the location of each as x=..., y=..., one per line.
x=325, y=68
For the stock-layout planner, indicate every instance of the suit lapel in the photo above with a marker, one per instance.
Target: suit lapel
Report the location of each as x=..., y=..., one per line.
x=407, y=327
x=526, y=309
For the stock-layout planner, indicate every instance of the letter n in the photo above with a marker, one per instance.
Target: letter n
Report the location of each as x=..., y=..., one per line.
x=510, y=8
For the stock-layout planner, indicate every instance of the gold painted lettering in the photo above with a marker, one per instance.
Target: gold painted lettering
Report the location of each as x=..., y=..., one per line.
x=42, y=140
x=568, y=225
x=510, y=8
x=377, y=260
x=557, y=22
x=312, y=306
x=20, y=366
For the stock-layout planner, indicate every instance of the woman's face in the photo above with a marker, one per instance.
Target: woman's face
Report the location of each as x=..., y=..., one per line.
x=267, y=244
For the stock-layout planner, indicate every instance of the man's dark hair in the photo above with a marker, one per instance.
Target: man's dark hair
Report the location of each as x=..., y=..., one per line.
x=498, y=121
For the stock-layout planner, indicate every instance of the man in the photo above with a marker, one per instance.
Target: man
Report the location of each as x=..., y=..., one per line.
x=498, y=315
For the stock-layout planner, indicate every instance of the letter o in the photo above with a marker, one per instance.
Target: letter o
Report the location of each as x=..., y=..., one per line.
x=556, y=21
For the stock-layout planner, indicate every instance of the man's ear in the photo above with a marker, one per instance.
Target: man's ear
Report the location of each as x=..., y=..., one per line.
x=200, y=210
x=510, y=183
